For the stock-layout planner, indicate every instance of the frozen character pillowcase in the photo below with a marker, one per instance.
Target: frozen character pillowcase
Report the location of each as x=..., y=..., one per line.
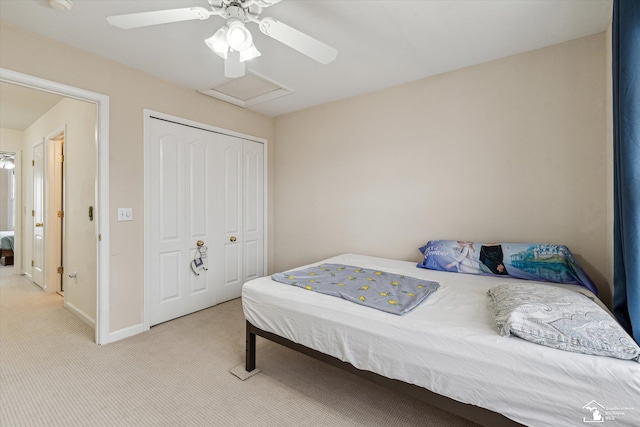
x=531, y=261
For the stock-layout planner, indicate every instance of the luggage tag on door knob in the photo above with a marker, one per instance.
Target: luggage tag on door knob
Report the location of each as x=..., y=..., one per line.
x=197, y=265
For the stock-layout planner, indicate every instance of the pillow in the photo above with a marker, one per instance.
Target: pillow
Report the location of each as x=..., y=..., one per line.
x=560, y=318
x=530, y=261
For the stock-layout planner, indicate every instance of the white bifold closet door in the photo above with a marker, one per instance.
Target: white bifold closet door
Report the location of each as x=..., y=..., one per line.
x=204, y=186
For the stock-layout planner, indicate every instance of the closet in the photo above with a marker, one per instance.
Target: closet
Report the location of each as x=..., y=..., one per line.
x=200, y=185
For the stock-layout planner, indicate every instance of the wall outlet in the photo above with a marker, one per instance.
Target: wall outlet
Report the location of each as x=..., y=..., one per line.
x=125, y=214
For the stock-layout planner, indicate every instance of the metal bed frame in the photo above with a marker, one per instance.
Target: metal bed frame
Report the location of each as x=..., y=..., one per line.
x=470, y=412
x=7, y=256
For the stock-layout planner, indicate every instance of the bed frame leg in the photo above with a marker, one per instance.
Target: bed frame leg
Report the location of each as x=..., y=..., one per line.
x=250, y=362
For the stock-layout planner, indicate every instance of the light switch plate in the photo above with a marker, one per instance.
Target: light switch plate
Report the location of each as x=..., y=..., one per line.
x=125, y=214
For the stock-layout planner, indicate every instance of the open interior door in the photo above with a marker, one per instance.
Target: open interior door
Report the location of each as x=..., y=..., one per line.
x=37, y=263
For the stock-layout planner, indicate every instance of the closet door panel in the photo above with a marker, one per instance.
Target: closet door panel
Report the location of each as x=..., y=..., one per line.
x=169, y=188
x=198, y=186
x=253, y=204
x=231, y=179
x=201, y=185
x=179, y=214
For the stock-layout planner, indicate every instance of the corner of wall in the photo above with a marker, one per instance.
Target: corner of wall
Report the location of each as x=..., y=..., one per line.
x=609, y=144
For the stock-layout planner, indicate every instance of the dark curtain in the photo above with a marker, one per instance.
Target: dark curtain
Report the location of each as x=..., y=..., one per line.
x=626, y=153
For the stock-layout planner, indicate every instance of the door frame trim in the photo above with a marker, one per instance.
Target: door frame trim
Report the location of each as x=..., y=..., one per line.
x=148, y=115
x=50, y=264
x=102, y=329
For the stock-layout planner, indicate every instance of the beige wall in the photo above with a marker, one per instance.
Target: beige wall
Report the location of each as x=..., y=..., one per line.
x=511, y=150
x=130, y=92
x=10, y=140
x=79, y=231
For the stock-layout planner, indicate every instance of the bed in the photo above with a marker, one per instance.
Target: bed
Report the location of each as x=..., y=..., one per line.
x=447, y=351
x=6, y=247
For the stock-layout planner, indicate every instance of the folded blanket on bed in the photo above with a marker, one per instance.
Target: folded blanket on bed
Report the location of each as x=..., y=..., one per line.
x=377, y=289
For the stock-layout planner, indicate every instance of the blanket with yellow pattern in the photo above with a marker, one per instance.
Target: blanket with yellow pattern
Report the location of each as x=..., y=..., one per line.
x=384, y=291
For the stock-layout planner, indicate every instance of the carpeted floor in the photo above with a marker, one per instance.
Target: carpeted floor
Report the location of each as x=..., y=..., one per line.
x=177, y=374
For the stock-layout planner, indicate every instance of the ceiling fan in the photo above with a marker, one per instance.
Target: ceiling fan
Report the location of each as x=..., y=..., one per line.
x=234, y=42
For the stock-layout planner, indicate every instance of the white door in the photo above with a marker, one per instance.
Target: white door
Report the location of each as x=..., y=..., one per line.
x=38, y=215
x=229, y=205
x=195, y=185
x=253, y=210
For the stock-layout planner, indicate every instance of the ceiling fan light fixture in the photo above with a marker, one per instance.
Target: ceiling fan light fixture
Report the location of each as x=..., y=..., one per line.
x=238, y=37
x=7, y=161
x=249, y=53
x=234, y=38
x=61, y=5
x=218, y=42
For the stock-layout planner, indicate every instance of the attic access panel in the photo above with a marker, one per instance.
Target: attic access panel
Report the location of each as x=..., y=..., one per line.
x=248, y=90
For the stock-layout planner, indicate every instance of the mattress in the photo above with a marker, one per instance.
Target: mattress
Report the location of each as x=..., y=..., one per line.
x=450, y=345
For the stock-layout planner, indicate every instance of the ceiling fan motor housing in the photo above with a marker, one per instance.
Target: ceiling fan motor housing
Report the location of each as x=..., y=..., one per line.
x=236, y=11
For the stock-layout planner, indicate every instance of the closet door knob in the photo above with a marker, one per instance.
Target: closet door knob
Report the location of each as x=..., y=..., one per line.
x=232, y=238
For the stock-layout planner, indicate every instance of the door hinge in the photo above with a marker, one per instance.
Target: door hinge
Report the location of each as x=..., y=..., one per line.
x=33, y=213
x=33, y=162
x=60, y=214
x=60, y=270
x=61, y=158
x=33, y=263
x=99, y=237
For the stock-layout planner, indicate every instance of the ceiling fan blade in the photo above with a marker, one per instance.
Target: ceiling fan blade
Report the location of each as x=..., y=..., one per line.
x=266, y=3
x=144, y=19
x=297, y=40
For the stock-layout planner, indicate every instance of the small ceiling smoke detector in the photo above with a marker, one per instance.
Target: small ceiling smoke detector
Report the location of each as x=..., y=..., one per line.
x=61, y=5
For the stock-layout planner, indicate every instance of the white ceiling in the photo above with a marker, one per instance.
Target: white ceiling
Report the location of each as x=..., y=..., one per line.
x=380, y=43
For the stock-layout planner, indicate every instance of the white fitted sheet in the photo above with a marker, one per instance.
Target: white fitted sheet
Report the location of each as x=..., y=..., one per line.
x=450, y=345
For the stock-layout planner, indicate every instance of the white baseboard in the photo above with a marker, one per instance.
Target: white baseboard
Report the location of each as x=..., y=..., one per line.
x=125, y=333
x=81, y=314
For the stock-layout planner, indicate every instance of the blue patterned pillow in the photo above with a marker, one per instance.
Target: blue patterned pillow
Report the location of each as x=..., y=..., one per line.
x=530, y=261
x=560, y=318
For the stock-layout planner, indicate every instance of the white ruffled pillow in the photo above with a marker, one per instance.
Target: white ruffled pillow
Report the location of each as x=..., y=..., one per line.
x=560, y=318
